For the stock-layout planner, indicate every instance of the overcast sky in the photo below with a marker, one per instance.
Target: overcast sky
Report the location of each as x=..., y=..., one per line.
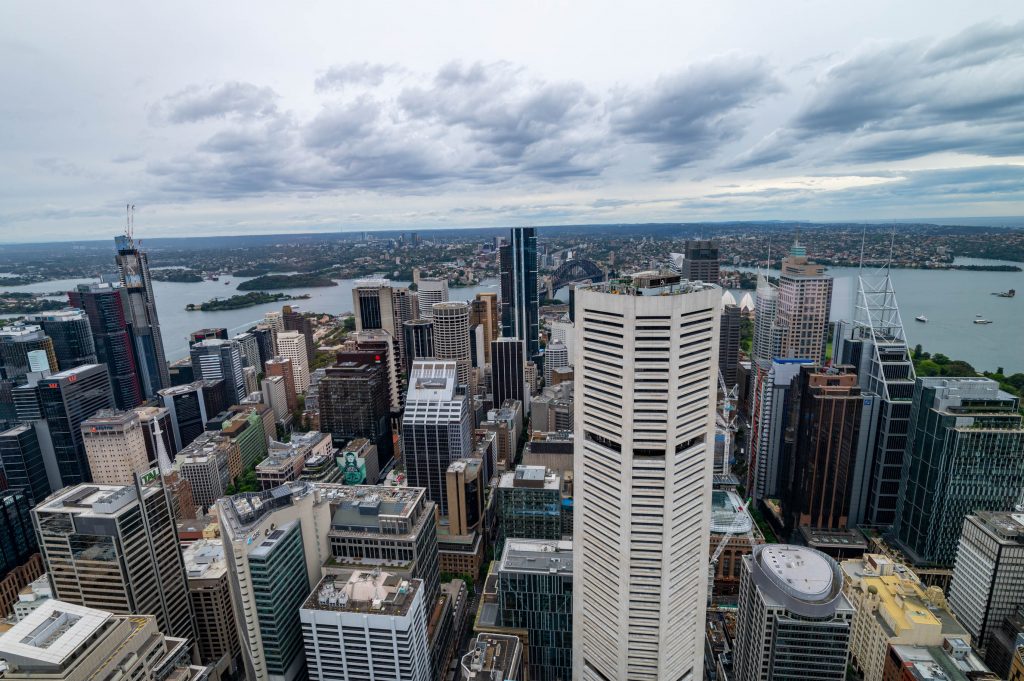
x=235, y=118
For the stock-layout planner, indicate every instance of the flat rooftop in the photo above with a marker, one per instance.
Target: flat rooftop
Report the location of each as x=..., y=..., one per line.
x=364, y=591
x=89, y=499
x=52, y=633
x=650, y=283
x=361, y=507
x=204, y=559
x=492, y=656
x=536, y=555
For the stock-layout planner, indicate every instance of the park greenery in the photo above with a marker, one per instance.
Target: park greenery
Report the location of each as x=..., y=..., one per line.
x=244, y=300
x=279, y=281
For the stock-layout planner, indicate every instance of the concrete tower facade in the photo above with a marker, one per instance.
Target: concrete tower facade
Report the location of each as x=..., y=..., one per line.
x=646, y=357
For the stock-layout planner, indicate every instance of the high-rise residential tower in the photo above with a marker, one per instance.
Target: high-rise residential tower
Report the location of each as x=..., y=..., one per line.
x=965, y=454
x=106, y=307
x=296, y=321
x=430, y=291
x=133, y=269
x=556, y=356
x=646, y=353
x=116, y=547
x=520, y=308
x=451, y=336
x=805, y=302
x=292, y=345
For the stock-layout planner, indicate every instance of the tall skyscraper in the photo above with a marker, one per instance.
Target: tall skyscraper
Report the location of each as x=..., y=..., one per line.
x=556, y=356
x=508, y=381
x=16, y=537
x=767, y=336
x=116, y=546
x=520, y=308
x=965, y=454
x=376, y=345
x=66, y=399
x=215, y=359
x=190, y=407
x=71, y=334
x=24, y=349
x=354, y=402
x=22, y=461
x=430, y=291
x=282, y=366
x=729, y=345
x=209, y=591
x=645, y=362
x=805, y=302
x=988, y=578
x=106, y=307
x=133, y=269
x=296, y=321
x=829, y=472
x=701, y=261
x=451, y=336
x=793, y=620
x=419, y=341
x=292, y=346
x=485, y=310
x=378, y=305
x=437, y=427
x=876, y=344
x=535, y=593
x=362, y=626
x=772, y=403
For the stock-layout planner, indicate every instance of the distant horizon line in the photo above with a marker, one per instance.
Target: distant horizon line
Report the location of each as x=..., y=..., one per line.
x=975, y=221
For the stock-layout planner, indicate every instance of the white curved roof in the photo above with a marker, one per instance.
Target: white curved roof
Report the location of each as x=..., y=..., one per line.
x=747, y=302
x=728, y=299
x=803, y=570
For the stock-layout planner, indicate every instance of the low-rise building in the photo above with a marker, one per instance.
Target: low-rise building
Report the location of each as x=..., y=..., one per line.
x=893, y=608
x=492, y=657
x=952, y=661
x=32, y=596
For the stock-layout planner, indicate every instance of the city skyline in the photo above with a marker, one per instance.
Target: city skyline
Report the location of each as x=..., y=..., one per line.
x=821, y=113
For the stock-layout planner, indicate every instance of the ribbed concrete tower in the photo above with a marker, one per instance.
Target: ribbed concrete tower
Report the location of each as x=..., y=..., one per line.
x=646, y=358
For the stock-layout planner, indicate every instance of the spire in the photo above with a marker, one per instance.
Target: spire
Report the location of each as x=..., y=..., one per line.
x=163, y=461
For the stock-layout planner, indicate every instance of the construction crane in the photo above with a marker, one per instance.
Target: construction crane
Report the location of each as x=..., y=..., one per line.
x=725, y=421
x=743, y=520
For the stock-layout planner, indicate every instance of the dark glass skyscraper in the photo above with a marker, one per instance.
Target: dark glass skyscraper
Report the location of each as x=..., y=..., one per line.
x=71, y=335
x=106, y=306
x=520, y=308
x=22, y=460
x=133, y=268
x=701, y=261
x=355, y=402
x=419, y=341
x=507, y=377
x=65, y=400
x=16, y=342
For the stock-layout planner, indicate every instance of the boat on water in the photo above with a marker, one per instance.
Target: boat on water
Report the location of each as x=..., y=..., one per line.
x=921, y=318
x=1005, y=294
x=982, y=321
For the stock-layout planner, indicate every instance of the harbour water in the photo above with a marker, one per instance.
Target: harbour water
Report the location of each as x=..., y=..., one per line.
x=950, y=299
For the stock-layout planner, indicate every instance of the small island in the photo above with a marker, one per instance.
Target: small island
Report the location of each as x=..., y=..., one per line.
x=176, y=274
x=18, y=280
x=278, y=281
x=241, y=301
x=20, y=302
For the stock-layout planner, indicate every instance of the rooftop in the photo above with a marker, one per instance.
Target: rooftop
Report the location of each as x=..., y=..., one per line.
x=650, y=283
x=204, y=559
x=372, y=592
x=537, y=555
x=952, y=661
x=530, y=477
x=52, y=633
x=493, y=657
x=802, y=580
x=93, y=500
x=729, y=513
x=1008, y=528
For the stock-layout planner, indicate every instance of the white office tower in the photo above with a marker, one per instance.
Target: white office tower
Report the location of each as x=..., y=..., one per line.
x=430, y=291
x=793, y=620
x=366, y=626
x=292, y=345
x=646, y=363
x=556, y=356
x=451, y=336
